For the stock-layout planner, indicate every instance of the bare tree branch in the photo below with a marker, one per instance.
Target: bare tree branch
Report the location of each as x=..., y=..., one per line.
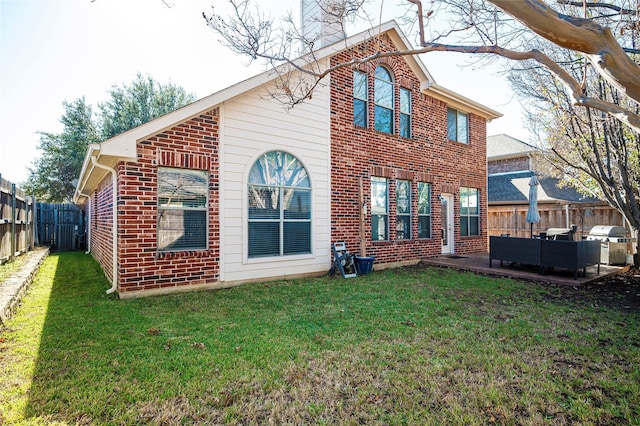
x=597, y=43
x=620, y=10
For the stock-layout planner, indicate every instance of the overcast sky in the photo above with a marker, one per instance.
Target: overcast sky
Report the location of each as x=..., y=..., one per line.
x=57, y=50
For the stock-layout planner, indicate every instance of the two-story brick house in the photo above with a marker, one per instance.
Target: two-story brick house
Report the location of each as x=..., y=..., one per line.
x=235, y=188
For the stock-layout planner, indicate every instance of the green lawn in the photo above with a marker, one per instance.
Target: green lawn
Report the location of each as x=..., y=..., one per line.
x=406, y=346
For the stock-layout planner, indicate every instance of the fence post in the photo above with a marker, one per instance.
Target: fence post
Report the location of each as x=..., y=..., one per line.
x=14, y=237
x=36, y=238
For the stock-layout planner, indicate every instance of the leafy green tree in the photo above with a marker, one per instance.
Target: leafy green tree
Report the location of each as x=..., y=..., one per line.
x=139, y=102
x=51, y=176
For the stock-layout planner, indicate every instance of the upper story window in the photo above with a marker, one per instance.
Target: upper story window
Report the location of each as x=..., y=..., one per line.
x=182, y=209
x=279, y=206
x=424, y=210
x=379, y=208
x=360, y=98
x=405, y=113
x=469, y=211
x=457, y=126
x=383, y=97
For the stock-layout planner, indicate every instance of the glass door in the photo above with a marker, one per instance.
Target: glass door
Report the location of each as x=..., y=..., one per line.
x=447, y=223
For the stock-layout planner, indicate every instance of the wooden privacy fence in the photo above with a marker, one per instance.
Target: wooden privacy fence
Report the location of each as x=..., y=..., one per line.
x=60, y=226
x=512, y=219
x=16, y=221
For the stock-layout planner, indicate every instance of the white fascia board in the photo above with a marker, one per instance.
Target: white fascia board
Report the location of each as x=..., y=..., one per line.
x=84, y=173
x=460, y=102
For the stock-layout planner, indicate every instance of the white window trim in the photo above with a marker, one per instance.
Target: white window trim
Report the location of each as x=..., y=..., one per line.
x=246, y=260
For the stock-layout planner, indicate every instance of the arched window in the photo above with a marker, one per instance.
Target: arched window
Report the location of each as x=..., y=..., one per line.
x=383, y=93
x=279, y=206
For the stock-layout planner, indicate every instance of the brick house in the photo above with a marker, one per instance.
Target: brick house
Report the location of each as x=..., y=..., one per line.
x=234, y=188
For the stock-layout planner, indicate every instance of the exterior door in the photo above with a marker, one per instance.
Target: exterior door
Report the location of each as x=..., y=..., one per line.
x=446, y=201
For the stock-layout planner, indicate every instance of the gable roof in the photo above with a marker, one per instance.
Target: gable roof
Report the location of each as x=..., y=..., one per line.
x=123, y=146
x=513, y=188
x=500, y=147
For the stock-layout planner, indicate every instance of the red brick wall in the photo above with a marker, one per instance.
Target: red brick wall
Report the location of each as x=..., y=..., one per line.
x=428, y=157
x=102, y=225
x=194, y=145
x=508, y=165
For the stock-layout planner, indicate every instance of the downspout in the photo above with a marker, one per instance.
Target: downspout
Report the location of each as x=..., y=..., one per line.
x=88, y=197
x=114, y=226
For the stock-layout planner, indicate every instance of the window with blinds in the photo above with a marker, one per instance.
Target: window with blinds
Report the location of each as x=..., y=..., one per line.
x=182, y=209
x=279, y=192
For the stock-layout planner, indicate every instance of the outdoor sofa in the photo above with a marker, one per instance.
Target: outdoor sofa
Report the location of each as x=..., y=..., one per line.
x=571, y=255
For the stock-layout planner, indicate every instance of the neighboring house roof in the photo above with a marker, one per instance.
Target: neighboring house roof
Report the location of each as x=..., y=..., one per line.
x=513, y=188
x=500, y=147
x=123, y=147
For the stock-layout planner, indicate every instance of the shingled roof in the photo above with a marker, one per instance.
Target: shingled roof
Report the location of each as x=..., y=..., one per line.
x=513, y=188
x=503, y=146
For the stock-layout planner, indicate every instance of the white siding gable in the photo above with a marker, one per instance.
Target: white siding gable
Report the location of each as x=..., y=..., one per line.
x=252, y=124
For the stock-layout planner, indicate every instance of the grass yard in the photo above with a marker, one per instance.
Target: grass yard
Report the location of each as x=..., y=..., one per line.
x=408, y=346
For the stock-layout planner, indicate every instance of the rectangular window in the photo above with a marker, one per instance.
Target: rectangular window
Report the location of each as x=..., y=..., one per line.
x=360, y=98
x=403, y=210
x=469, y=212
x=379, y=208
x=182, y=209
x=457, y=126
x=405, y=113
x=279, y=221
x=424, y=210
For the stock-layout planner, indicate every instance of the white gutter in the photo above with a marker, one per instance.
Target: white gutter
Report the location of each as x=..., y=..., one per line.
x=114, y=226
x=94, y=147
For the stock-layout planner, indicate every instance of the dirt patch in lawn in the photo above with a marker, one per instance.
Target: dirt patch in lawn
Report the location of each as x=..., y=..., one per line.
x=620, y=291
